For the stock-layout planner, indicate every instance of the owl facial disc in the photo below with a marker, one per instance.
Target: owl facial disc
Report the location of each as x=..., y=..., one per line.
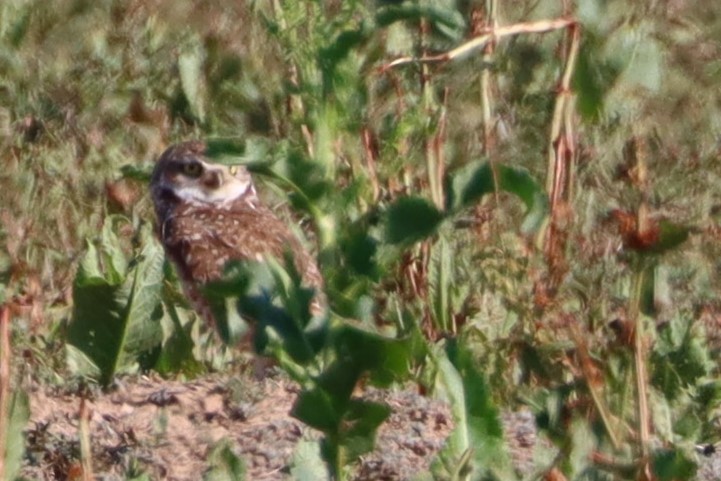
x=184, y=173
x=201, y=181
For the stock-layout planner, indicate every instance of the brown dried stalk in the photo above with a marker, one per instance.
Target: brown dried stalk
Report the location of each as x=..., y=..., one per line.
x=86, y=456
x=4, y=383
x=479, y=42
x=561, y=160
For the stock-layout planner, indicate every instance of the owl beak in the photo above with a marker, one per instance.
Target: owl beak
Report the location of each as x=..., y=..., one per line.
x=212, y=179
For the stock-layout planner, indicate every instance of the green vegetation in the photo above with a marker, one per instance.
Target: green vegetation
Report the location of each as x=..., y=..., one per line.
x=529, y=218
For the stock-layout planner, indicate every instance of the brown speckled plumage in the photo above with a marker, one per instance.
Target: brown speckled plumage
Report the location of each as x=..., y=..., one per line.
x=214, y=215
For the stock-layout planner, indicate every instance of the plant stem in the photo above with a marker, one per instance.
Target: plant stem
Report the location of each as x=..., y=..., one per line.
x=639, y=356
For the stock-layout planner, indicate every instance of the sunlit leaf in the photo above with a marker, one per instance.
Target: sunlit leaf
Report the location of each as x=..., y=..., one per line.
x=478, y=429
x=115, y=317
x=17, y=415
x=680, y=358
x=307, y=462
x=190, y=67
x=177, y=354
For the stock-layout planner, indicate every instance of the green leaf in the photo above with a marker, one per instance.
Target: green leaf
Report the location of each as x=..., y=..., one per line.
x=387, y=359
x=223, y=146
x=440, y=275
x=316, y=408
x=190, y=67
x=18, y=414
x=467, y=185
x=176, y=354
x=115, y=316
x=357, y=351
x=593, y=77
x=250, y=151
x=478, y=428
x=360, y=424
x=135, y=172
x=224, y=464
x=349, y=425
x=647, y=298
x=446, y=19
x=671, y=235
x=587, y=86
x=270, y=294
x=672, y=464
x=411, y=219
x=680, y=358
x=307, y=464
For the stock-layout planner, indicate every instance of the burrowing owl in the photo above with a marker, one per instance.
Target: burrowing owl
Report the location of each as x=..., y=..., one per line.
x=209, y=214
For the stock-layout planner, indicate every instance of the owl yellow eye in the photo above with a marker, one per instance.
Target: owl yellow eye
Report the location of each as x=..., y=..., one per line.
x=233, y=169
x=192, y=169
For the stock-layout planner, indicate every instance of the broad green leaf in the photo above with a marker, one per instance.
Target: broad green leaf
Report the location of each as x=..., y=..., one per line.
x=478, y=426
x=387, y=359
x=224, y=464
x=350, y=425
x=330, y=56
x=135, y=172
x=176, y=354
x=307, y=464
x=190, y=67
x=445, y=18
x=583, y=445
x=411, y=219
x=18, y=414
x=672, y=464
x=592, y=78
x=18, y=31
x=359, y=250
x=360, y=424
x=467, y=185
x=115, y=320
x=449, y=386
x=671, y=235
x=250, y=151
x=316, y=408
x=680, y=358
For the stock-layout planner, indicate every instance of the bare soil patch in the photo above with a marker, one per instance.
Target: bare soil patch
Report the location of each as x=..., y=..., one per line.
x=168, y=429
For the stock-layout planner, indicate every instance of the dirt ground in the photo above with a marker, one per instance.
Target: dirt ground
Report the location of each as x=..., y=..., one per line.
x=168, y=430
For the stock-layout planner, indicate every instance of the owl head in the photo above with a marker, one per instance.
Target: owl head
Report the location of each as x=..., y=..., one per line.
x=184, y=174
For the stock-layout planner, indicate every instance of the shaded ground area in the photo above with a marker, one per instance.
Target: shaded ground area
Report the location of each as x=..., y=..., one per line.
x=168, y=429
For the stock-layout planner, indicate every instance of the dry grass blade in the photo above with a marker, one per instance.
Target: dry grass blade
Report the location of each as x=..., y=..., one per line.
x=86, y=452
x=4, y=384
x=477, y=43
